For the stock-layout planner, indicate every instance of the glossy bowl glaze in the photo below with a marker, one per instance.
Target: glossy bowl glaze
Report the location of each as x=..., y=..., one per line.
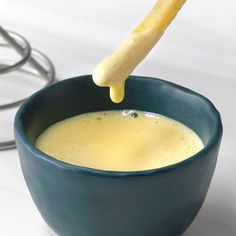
x=75, y=200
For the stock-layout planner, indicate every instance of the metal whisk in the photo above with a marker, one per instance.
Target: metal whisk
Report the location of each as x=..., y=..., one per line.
x=38, y=65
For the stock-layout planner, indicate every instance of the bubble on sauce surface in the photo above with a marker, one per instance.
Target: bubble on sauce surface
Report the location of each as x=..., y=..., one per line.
x=134, y=115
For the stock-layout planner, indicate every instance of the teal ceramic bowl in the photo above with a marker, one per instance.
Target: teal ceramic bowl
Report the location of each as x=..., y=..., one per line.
x=79, y=201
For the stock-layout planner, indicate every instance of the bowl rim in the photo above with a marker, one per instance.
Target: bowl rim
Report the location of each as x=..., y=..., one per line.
x=20, y=134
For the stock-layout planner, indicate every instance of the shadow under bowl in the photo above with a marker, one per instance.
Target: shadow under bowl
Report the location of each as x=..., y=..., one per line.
x=76, y=200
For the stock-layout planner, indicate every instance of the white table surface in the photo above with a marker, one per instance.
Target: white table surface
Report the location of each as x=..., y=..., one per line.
x=198, y=51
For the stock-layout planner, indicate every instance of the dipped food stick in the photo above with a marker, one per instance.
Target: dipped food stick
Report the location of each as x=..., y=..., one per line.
x=115, y=69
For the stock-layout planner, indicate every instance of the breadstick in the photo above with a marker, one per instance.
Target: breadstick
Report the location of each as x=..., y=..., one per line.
x=115, y=69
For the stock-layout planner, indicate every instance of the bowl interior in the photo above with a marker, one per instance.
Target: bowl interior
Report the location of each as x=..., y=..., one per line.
x=80, y=95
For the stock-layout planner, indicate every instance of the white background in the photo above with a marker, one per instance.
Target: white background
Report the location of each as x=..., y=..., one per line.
x=197, y=51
